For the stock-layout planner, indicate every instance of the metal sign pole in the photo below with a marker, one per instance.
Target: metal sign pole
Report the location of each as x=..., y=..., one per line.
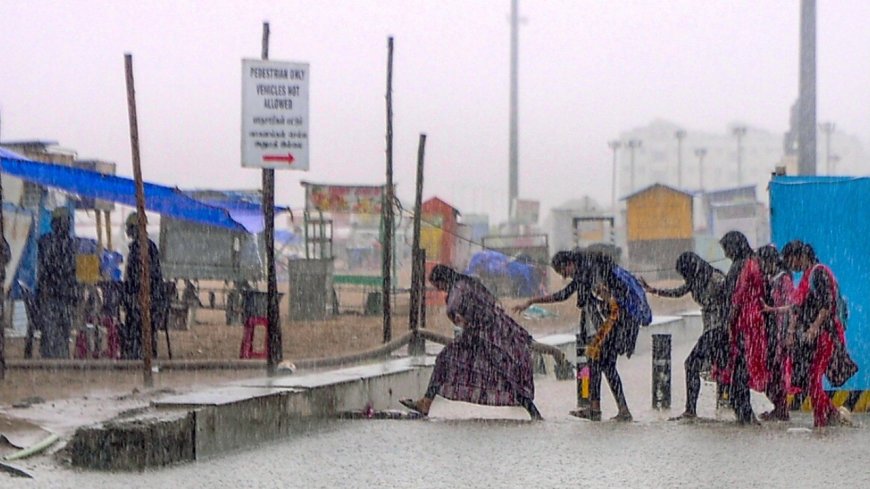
x=276, y=352
x=145, y=287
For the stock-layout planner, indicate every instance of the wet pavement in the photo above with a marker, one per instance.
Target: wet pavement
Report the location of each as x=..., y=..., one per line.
x=472, y=446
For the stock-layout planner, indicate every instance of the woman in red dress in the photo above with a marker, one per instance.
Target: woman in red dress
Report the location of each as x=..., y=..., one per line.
x=818, y=327
x=747, y=334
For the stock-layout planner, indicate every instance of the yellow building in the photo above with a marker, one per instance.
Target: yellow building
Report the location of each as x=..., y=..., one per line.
x=659, y=226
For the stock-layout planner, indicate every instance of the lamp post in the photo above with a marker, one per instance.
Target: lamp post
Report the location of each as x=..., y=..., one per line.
x=739, y=132
x=632, y=144
x=680, y=135
x=614, y=146
x=701, y=153
x=828, y=128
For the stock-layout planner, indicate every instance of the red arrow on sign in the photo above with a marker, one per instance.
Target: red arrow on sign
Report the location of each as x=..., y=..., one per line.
x=289, y=159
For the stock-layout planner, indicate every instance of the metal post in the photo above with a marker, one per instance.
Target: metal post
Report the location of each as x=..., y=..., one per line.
x=701, y=153
x=739, y=132
x=807, y=90
x=273, y=328
x=828, y=128
x=680, y=135
x=632, y=144
x=513, y=177
x=583, y=400
x=661, y=371
x=614, y=146
x=418, y=281
x=388, y=205
x=145, y=288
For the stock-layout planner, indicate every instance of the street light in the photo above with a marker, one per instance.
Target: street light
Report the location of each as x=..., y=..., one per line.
x=828, y=128
x=701, y=153
x=680, y=134
x=614, y=146
x=739, y=132
x=632, y=144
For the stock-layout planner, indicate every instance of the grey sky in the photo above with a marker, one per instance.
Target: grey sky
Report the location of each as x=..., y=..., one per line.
x=588, y=70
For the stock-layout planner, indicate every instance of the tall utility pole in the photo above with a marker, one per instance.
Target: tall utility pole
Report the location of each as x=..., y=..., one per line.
x=701, y=153
x=632, y=144
x=614, y=146
x=739, y=132
x=828, y=128
x=807, y=90
x=680, y=135
x=513, y=172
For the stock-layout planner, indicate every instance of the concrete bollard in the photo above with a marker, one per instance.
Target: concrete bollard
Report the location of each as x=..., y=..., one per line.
x=661, y=371
x=582, y=374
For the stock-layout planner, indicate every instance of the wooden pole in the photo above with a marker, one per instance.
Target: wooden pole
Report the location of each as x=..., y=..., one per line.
x=387, y=247
x=417, y=345
x=109, y=231
x=142, y=238
x=99, y=219
x=4, y=260
x=275, y=347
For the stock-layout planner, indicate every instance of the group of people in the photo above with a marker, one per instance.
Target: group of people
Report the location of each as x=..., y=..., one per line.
x=58, y=293
x=761, y=331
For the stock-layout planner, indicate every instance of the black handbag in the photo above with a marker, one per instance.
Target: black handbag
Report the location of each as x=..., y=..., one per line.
x=842, y=367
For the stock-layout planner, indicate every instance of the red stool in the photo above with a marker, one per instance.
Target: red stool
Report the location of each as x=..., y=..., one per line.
x=247, y=349
x=113, y=340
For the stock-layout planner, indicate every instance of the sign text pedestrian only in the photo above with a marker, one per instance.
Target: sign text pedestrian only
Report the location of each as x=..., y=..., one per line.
x=274, y=114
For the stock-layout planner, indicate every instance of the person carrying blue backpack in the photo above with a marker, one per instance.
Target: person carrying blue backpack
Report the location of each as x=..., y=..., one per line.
x=596, y=271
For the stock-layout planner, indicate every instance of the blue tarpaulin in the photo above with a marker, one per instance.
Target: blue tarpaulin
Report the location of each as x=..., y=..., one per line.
x=163, y=200
x=830, y=213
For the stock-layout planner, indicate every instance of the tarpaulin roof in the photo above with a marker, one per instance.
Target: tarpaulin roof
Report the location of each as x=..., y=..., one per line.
x=167, y=201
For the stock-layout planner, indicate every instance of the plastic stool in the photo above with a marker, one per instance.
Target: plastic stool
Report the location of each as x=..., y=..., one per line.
x=247, y=349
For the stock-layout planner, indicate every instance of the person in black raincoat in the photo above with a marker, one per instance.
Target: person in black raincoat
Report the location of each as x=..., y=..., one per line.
x=707, y=286
x=56, y=286
x=131, y=332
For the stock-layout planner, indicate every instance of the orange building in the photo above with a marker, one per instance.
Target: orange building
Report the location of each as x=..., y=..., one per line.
x=659, y=222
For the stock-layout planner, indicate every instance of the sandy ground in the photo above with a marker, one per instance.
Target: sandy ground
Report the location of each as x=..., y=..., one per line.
x=210, y=338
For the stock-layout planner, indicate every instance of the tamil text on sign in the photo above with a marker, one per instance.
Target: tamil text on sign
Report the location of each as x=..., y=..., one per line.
x=274, y=114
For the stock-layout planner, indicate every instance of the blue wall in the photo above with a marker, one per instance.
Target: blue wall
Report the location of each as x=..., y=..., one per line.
x=833, y=215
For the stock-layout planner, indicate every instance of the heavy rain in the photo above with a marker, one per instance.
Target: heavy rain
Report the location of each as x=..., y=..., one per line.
x=501, y=243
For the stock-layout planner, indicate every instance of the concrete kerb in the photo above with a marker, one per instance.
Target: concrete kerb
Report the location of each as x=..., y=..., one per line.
x=186, y=427
x=244, y=413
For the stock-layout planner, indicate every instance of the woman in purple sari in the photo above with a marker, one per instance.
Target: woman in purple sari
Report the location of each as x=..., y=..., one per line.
x=490, y=363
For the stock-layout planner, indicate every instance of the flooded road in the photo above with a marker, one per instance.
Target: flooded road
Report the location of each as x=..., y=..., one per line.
x=470, y=446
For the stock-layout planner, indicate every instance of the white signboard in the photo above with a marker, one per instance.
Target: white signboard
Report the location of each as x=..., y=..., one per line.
x=274, y=114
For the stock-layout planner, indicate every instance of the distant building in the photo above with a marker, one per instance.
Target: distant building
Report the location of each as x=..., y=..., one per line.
x=593, y=228
x=655, y=158
x=659, y=221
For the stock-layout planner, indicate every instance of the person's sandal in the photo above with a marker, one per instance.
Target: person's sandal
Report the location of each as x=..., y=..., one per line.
x=412, y=405
x=624, y=417
x=686, y=416
x=586, y=414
